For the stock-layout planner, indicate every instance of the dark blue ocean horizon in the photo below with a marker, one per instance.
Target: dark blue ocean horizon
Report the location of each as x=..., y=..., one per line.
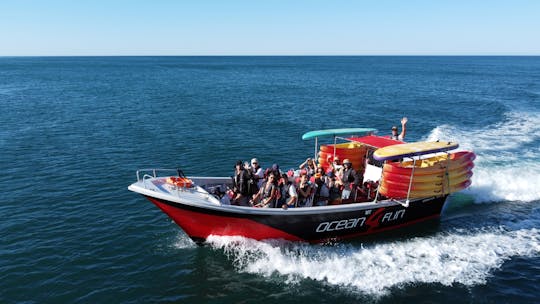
x=75, y=129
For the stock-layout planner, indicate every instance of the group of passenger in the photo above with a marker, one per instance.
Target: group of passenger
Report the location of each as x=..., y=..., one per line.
x=309, y=185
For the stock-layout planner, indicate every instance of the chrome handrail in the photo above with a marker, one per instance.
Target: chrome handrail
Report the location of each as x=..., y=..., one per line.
x=154, y=172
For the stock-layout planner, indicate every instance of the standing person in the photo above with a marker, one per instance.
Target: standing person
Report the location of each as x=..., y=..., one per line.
x=240, y=187
x=258, y=172
x=401, y=136
x=337, y=167
x=349, y=180
x=309, y=166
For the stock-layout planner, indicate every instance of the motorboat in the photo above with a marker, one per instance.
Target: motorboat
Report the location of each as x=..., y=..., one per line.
x=402, y=184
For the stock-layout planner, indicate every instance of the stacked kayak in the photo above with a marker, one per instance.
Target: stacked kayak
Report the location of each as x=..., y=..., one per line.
x=436, y=175
x=355, y=152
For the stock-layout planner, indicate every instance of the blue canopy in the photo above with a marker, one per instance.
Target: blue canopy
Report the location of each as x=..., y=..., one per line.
x=336, y=132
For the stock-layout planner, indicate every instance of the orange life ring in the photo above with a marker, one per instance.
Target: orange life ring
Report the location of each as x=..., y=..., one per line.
x=182, y=182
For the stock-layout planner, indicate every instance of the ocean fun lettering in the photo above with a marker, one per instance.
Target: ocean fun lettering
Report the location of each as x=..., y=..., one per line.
x=391, y=216
x=340, y=225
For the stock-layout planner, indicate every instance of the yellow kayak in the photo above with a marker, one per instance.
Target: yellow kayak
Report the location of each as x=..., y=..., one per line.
x=413, y=149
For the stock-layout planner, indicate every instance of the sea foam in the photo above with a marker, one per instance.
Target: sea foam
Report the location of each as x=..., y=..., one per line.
x=462, y=257
x=507, y=167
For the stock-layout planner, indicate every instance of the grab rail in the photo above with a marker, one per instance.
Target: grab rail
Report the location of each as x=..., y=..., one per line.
x=154, y=172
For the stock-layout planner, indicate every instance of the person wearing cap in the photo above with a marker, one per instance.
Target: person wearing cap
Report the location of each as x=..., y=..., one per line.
x=258, y=172
x=401, y=136
x=337, y=167
x=350, y=179
x=240, y=187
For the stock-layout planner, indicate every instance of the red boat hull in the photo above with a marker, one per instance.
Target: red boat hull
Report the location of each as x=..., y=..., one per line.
x=199, y=222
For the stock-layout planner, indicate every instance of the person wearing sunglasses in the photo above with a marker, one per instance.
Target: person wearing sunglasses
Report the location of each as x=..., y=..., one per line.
x=258, y=172
x=267, y=195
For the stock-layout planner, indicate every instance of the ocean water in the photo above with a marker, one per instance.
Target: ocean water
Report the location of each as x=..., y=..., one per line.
x=75, y=129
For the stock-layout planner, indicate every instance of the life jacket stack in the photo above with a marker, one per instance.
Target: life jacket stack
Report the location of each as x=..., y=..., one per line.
x=355, y=152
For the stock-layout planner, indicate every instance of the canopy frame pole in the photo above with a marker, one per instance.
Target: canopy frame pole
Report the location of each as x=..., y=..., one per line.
x=335, y=143
x=379, y=185
x=410, y=183
x=316, y=145
x=446, y=175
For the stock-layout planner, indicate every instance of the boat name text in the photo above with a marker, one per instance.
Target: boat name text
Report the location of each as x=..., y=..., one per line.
x=392, y=216
x=340, y=225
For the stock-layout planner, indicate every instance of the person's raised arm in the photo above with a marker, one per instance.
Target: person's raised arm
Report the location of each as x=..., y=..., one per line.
x=403, y=128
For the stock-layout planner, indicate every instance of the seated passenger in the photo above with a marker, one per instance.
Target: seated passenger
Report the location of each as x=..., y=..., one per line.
x=275, y=170
x=309, y=166
x=334, y=197
x=289, y=197
x=321, y=193
x=305, y=191
x=267, y=195
x=369, y=189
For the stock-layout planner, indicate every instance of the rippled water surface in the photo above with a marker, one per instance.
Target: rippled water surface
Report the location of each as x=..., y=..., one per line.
x=74, y=130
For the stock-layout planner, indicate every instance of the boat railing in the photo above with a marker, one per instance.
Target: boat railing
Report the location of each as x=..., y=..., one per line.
x=209, y=184
x=153, y=173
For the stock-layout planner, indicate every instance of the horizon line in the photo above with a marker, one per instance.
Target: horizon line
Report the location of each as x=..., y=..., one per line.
x=286, y=55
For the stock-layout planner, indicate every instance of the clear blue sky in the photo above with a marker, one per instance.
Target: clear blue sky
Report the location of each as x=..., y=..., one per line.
x=271, y=27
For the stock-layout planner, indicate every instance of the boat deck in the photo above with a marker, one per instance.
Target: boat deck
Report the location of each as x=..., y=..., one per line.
x=208, y=191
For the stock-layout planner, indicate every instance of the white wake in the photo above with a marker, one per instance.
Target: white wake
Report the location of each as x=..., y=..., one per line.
x=464, y=258
x=507, y=167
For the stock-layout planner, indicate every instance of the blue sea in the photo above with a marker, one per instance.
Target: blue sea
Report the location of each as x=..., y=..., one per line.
x=75, y=129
